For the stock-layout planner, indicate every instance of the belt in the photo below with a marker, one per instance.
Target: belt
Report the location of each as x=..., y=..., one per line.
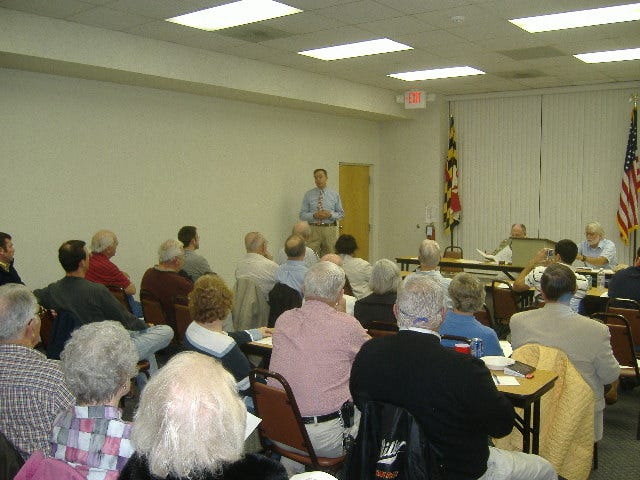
x=324, y=224
x=321, y=418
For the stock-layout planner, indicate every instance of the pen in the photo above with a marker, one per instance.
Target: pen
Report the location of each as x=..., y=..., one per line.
x=495, y=379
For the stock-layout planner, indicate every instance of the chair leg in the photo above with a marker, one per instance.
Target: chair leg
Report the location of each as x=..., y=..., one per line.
x=595, y=456
x=638, y=432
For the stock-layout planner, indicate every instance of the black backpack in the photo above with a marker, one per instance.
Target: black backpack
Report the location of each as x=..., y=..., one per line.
x=391, y=445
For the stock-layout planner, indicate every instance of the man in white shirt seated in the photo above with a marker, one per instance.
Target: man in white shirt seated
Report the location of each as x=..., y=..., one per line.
x=429, y=256
x=257, y=264
x=565, y=253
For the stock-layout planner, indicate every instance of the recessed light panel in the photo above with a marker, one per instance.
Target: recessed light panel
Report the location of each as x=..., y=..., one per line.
x=234, y=14
x=437, y=73
x=610, y=56
x=579, y=18
x=359, y=49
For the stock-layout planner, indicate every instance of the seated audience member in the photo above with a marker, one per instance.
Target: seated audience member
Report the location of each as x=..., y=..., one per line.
x=626, y=283
x=292, y=271
x=195, y=265
x=91, y=302
x=503, y=252
x=102, y=270
x=451, y=395
x=467, y=294
x=384, y=281
x=190, y=425
x=210, y=302
x=429, y=257
x=564, y=253
x=164, y=281
x=585, y=341
x=348, y=301
x=358, y=271
x=596, y=251
x=303, y=229
x=313, y=348
x=32, y=387
x=98, y=363
x=8, y=273
x=257, y=263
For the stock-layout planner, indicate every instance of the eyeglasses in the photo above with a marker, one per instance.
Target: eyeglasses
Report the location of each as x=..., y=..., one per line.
x=415, y=318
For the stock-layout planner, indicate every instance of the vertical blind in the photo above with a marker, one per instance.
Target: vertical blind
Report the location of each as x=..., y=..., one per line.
x=553, y=162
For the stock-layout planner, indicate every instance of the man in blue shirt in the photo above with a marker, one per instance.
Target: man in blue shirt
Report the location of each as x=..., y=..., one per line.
x=292, y=271
x=322, y=208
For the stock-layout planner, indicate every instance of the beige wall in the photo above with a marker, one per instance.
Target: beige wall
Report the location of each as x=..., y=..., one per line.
x=80, y=155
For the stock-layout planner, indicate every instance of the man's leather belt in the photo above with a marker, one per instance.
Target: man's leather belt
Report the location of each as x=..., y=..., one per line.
x=324, y=224
x=321, y=418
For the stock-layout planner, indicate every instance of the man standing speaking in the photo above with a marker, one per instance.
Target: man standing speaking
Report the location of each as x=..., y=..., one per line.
x=322, y=208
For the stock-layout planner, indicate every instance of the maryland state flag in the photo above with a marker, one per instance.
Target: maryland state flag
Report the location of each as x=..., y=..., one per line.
x=451, y=207
x=627, y=217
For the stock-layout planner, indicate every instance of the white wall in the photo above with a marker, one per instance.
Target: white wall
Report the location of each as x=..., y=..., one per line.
x=80, y=155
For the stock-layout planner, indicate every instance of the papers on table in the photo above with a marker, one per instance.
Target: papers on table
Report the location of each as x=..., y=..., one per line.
x=265, y=341
x=252, y=424
x=505, y=255
x=486, y=256
x=505, y=380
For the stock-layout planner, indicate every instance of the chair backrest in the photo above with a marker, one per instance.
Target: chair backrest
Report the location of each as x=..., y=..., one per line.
x=281, y=419
x=46, y=326
x=452, y=251
x=484, y=316
x=121, y=296
x=182, y=316
x=282, y=298
x=505, y=303
x=629, y=309
x=63, y=324
x=10, y=459
x=382, y=329
x=455, y=338
x=621, y=341
x=152, y=308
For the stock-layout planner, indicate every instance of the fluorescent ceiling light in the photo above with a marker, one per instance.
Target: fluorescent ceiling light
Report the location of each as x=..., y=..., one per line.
x=359, y=49
x=610, y=56
x=234, y=14
x=437, y=73
x=579, y=18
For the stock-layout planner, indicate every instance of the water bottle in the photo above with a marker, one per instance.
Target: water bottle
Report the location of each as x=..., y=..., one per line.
x=600, y=279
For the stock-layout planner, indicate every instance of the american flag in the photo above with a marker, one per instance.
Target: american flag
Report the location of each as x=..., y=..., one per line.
x=452, y=207
x=627, y=217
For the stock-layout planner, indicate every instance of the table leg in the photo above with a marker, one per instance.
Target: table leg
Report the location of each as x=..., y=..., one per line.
x=536, y=427
x=526, y=428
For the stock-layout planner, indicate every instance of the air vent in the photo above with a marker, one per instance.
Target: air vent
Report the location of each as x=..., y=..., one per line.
x=532, y=53
x=254, y=33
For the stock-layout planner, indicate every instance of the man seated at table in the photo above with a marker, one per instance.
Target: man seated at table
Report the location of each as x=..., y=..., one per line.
x=450, y=394
x=503, y=252
x=303, y=229
x=564, y=253
x=467, y=294
x=257, y=264
x=429, y=256
x=313, y=348
x=597, y=251
x=292, y=272
x=586, y=342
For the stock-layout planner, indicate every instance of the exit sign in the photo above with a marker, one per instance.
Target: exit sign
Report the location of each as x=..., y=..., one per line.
x=415, y=99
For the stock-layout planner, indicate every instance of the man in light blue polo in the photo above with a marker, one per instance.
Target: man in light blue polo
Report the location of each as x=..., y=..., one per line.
x=322, y=208
x=596, y=251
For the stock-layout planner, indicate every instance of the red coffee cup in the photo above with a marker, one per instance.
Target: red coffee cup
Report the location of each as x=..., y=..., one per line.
x=463, y=348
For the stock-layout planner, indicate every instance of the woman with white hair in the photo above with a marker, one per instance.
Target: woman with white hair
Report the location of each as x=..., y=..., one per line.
x=467, y=295
x=98, y=363
x=190, y=423
x=384, y=282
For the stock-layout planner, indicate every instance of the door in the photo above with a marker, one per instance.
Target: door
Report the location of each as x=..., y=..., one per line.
x=354, y=193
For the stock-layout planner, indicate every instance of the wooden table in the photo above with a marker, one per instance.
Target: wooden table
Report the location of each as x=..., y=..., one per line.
x=527, y=396
x=463, y=263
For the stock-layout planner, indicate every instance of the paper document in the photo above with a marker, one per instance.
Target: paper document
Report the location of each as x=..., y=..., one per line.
x=505, y=380
x=252, y=424
x=491, y=258
x=265, y=341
